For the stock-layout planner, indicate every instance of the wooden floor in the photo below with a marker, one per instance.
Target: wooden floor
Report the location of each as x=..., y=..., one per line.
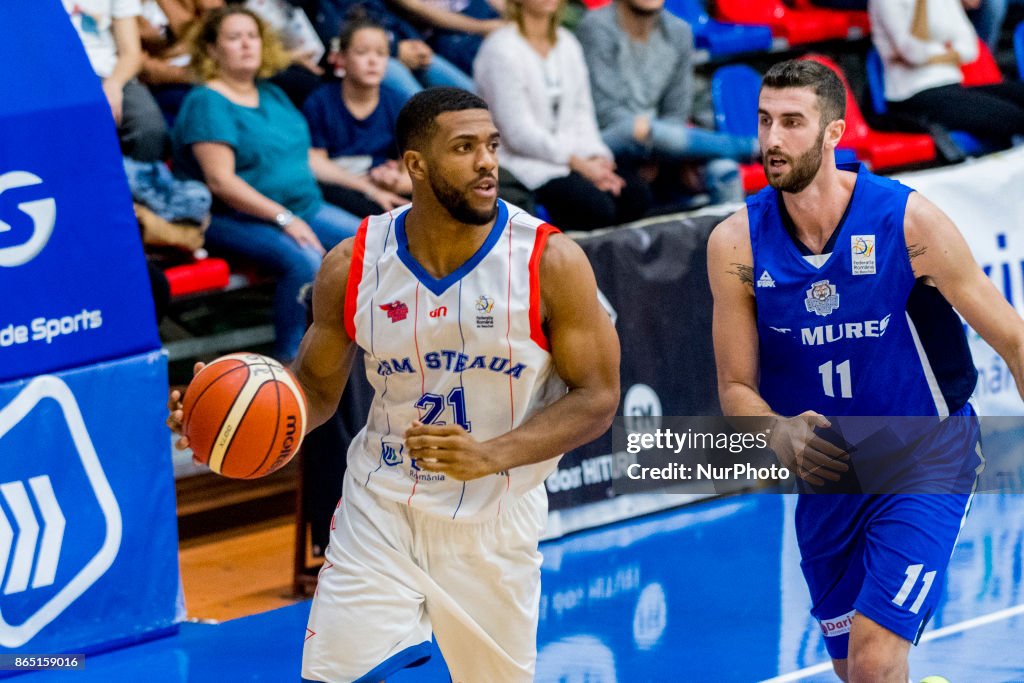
x=242, y=571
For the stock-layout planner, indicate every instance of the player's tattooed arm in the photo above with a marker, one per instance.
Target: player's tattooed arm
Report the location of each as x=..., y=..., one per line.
x=744, y=272
x=915, y=250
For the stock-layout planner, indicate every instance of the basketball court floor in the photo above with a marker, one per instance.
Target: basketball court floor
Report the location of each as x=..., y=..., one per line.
x=708, y=592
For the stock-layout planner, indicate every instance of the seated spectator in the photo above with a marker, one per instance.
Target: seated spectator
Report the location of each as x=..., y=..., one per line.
x=165, y=26
x=922, y=44
x=353, y=126
x=532, y=74
x=165, y=51
x=454, y=28
x=109, y=32
x=413, y=64
x=641, y=69
x=242, y=136
x=987, y=17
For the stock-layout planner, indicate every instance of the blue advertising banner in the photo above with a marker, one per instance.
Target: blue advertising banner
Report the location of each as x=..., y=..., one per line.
x=88, y=532
x=72, y=269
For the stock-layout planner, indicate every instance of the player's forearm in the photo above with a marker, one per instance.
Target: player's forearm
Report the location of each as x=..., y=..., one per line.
x=742, y=400
x=577, y=418
x=322, y=395
x=1013, y=354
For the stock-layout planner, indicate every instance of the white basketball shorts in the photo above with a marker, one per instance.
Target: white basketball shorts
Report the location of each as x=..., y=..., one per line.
x=394, y=574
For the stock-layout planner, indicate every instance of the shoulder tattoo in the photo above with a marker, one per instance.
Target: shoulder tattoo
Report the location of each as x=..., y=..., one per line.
x=915, y=250
x=744, y=272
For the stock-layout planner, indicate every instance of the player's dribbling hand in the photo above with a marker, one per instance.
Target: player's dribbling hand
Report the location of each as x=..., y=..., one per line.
x=176, y=414
x=449, y=449
x=803, y=452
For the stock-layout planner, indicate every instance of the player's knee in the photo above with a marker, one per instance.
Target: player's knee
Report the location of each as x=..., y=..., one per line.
x=839, y=666
x=871, y=665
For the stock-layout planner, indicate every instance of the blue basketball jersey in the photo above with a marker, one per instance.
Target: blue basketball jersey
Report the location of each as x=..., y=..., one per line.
x=841, y=337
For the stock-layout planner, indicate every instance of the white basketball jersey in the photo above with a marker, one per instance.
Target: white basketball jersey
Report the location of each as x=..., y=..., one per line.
x=467, y=349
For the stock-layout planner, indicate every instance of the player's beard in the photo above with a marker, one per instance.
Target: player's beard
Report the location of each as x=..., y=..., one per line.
x=802, y=169
x=455, y=202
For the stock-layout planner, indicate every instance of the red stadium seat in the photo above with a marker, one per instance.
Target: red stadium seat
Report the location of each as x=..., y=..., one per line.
x=856, y=20
x=983, y=70
x=199, y=276
x=879, y=149
x=795, y=25
x=753, y=178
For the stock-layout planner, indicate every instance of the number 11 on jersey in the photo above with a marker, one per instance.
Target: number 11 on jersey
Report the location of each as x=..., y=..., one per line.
x=827, y=380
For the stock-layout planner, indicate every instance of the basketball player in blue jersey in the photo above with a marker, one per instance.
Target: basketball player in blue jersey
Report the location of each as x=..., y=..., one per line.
x=830, y=298
x=490, y=356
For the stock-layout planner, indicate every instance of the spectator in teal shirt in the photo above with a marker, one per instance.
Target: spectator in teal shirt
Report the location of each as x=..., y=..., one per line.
x=244, y=138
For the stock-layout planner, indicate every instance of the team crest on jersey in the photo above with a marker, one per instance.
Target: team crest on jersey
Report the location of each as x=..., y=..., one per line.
x=396, y=311
x=822, y=298
x=862, y=254
x=484, y=306
x=391, y=453
x=765, y=280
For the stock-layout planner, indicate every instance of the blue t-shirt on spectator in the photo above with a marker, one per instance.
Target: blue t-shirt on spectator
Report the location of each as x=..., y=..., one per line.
x=335, y=129
x=271, y=144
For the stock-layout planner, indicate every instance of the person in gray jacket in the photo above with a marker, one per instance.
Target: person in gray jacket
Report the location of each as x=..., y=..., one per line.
x=640, y=59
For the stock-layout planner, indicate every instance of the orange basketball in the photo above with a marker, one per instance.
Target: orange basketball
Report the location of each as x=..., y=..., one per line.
x=244, y=415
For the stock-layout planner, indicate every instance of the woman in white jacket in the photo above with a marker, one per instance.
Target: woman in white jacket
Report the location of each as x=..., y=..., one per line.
x=533, y=75
x=922, y=44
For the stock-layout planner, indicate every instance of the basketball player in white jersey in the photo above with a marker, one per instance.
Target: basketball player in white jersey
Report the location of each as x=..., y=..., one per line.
x=489, y=356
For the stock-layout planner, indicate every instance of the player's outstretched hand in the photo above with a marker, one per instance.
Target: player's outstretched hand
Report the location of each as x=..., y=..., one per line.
x=175, y=409
x=451, y=450
x=803, y=452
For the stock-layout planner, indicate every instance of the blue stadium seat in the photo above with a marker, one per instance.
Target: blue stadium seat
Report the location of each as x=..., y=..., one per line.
x=719, y=38
x=734, y=91
x=1018, y=48
x=967, y=143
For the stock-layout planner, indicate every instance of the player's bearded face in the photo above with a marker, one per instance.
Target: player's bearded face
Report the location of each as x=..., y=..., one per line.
x=801, y=169
x=462, y=203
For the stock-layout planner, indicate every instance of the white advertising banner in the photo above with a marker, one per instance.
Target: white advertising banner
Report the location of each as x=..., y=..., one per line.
x=985, y=198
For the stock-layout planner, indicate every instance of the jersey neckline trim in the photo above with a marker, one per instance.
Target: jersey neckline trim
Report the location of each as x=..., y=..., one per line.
x=439, y=286
x=831, y=244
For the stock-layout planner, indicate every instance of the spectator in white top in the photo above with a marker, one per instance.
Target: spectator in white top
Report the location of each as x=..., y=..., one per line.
x=923, y=44
x=109, y=32
x=533, y=75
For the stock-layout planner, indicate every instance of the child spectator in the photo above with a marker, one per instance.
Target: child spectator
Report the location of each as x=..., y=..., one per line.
x=352, y=125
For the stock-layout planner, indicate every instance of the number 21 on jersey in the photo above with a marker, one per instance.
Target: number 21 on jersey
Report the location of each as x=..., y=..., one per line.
x=433, y=408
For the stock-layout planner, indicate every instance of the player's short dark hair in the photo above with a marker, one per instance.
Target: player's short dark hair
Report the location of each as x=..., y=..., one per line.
x=417, y=120
x=807, y=73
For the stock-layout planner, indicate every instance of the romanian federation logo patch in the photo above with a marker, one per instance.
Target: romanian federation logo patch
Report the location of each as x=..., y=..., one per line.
x=862, y=254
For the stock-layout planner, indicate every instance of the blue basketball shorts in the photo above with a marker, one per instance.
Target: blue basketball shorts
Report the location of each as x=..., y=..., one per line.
x=883, y=556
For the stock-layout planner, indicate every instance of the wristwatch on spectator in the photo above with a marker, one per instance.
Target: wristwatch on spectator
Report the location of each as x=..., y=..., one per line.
x=284, y=218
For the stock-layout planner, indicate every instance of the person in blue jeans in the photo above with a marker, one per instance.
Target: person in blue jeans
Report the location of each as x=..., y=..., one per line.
x=455, y=29
x=245, y=139
x=413, y=64
x=640, y=59
x=987, y=17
